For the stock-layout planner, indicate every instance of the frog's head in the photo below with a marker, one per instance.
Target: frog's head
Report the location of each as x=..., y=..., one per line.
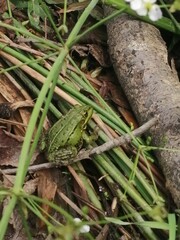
x=86, y=113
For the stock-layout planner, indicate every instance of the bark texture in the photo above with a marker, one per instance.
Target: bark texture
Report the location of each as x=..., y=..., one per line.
x=139, y=57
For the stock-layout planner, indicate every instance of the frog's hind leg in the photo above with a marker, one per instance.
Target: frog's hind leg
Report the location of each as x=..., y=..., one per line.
x=64, y=156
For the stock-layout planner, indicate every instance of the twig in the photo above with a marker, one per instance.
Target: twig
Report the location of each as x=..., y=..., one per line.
x=125, y=138
x=33, y=168
x=97, y=150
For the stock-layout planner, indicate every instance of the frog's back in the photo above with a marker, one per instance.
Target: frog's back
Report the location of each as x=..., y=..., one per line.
x=68, y=130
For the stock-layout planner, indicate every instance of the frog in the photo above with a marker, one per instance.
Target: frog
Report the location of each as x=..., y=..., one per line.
x=64, y=139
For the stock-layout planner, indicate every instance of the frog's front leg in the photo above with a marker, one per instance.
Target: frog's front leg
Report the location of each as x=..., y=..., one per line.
x=62, y=156
x=88, y=139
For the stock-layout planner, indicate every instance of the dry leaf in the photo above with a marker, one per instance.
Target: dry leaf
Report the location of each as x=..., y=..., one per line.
x=10, y=150
x=96, y=51
x=31, y=186
x=3, y=6
x=11, y=93
x=46, y=190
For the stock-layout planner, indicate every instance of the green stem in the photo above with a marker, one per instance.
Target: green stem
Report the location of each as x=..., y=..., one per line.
x=64, y=15
x=132, y=192
x=126, y=205
x=35, y=91
x=53, y=74
x=48, y=14
x=5, y=218
x=107, y=112
x=109, y=115
x=101, y=22
x=176, y=24
x=29, y=34
x=26, y=153
x=9, y=8
x=80, y=22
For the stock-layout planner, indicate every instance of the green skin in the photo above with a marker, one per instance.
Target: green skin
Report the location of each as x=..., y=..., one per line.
x=65, y=137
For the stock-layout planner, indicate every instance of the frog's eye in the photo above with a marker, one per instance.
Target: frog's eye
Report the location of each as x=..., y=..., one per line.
x=85, y=114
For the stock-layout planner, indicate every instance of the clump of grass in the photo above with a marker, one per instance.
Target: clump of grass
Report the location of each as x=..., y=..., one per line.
x=111, y=177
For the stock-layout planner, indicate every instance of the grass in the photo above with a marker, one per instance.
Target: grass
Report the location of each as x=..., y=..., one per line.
x=140, y=205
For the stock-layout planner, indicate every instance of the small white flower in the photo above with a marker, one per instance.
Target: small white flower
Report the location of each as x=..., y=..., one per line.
x=84, y=228
x=144, y=7
x=155, y=13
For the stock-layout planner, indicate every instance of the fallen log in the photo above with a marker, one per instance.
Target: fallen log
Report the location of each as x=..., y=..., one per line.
x=140, y=60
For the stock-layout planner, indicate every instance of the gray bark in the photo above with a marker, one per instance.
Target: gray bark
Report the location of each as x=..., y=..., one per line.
x=139, y=57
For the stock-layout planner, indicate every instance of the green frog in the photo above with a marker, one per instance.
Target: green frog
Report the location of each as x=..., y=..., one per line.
x=65, y=138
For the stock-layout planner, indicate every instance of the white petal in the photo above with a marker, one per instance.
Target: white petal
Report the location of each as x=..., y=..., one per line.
x=155, y=13
x=136, y=4
x=77, y=220
x=128, y=0
x=141, y=11
x=149, y=1
x=85, y=229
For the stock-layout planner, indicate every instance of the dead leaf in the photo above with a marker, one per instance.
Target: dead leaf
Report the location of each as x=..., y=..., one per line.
x=97, y=51
x=8, y=32
x=100, y=54
x=31, y=185
x=12, y=93
x=119, y=98
x=114, y=92
x=3, y=6
x=16, y=222
x=46, y=190
x=10, y=150
x=75, y=7
x=8, y=181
